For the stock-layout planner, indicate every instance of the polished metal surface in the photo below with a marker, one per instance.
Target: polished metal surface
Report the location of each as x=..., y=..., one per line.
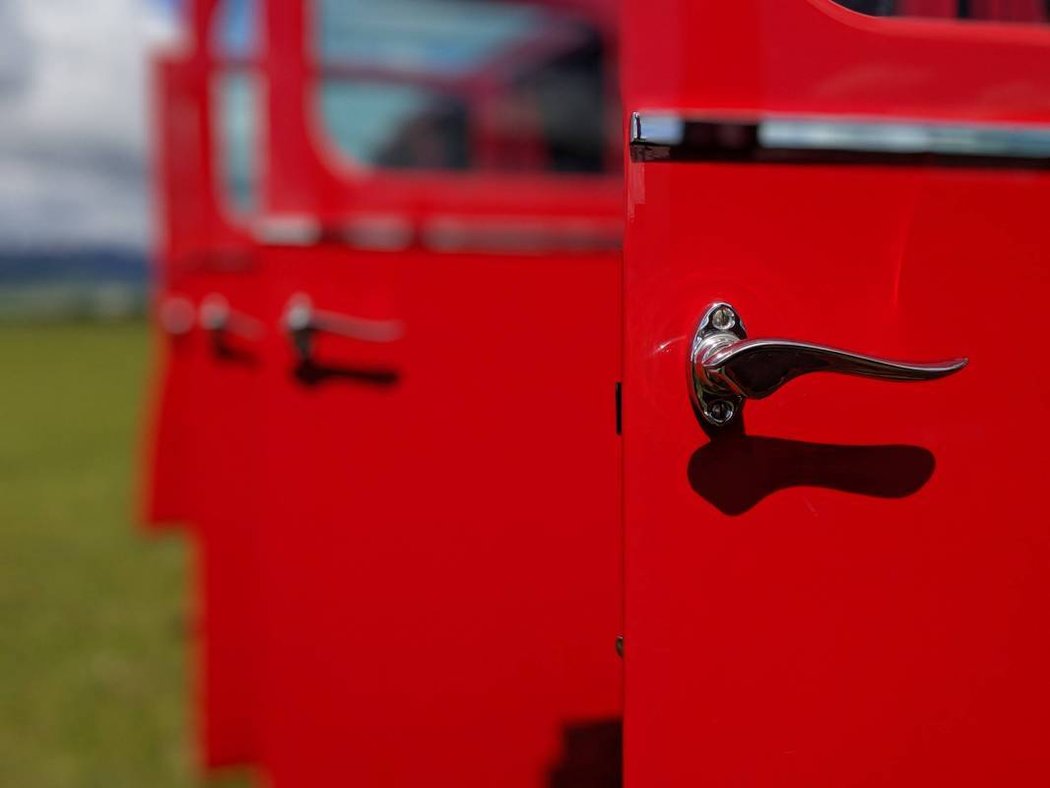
x=378, y=233
x=727, y=368
x=444, y=234
x=1012, y=141
x=661, y=136
x=289, y=230
x=468, y=235
x=303, y=321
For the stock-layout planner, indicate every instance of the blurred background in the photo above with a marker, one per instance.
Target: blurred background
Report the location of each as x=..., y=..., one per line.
x=74, y=208
x=92, y=621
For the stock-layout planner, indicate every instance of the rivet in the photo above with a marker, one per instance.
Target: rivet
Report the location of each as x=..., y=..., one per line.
x=723, y=318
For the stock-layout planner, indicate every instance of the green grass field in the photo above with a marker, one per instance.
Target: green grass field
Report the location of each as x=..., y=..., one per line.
x=93, y=615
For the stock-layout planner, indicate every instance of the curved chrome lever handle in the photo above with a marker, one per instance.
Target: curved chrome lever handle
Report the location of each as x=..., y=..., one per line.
x=727, y=368
x=217, y=318
x=303, y=321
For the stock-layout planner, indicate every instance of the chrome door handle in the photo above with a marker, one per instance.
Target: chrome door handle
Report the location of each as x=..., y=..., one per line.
x=727, y=368
x=218, y=319
x=303, y=321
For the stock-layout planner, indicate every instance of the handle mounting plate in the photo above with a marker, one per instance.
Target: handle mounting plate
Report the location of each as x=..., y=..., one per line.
x=719, y=326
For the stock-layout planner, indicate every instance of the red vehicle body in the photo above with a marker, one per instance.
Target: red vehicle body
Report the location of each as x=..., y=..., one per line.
x=205, y=441
x=849, y=587
x=425, y=530
x=393, y=417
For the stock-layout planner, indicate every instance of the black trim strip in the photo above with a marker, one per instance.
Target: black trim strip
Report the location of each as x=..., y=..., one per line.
x=812, y=140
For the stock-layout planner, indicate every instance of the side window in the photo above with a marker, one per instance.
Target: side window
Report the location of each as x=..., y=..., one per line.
x=465, y=85
x=237, y=102
x=235, y=30
x=1031, y=11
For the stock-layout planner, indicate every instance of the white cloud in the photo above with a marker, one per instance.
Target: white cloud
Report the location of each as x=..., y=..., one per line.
x=73, y=120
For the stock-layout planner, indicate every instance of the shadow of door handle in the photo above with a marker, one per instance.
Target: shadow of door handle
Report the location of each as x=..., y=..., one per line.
x=727, y=368
x=737, y=472
x=232, y=333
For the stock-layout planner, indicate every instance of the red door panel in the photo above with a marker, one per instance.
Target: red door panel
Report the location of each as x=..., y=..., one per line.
x=442, y=553
x=850, y=589
x=194, y=239
x=167, y=483
x=205, y=471
x=182, y=210
x=441, y=547
x=228, y=513
x=203, y=441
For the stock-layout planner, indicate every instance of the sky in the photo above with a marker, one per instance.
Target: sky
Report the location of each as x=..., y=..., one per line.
x=74, y=120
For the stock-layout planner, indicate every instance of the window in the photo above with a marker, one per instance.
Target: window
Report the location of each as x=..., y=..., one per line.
x=1032, y=11
x=235, y=31
x=465, y=85
x=237, y=105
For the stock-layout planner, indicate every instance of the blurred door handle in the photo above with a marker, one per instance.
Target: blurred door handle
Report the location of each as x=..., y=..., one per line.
x=218, y=319
x=303, y=322
x=175, y=314
x=727, y=368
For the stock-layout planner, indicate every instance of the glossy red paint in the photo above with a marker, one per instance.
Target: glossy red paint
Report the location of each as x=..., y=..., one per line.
x=167, y=487
x=228, y=467
x=437, y=555
x=194, y=237
x=442, y=548
x=203, y=442
x=442, y=556
x=208, y=452
x=780, y=629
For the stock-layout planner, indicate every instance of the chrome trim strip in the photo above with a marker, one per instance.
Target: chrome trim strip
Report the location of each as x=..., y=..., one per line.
x=469, y=235
x=288, y=230
x=445, y=234
x=379, y=233
x=793, y=139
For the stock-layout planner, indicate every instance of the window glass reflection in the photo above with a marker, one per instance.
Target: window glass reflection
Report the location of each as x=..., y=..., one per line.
x=235, y=33
x=237, y=101
x=465, y=85
x=1030, y=11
